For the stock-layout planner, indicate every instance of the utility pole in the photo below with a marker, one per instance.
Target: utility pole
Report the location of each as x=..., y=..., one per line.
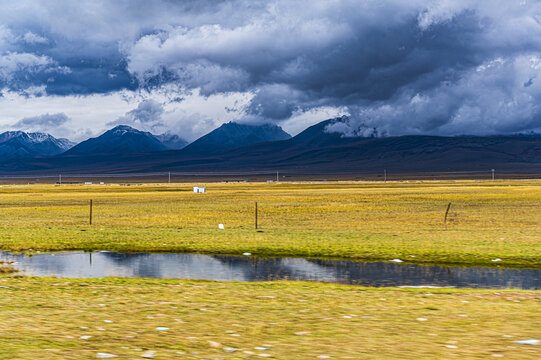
x=169, y=177
x=384, y=175
x=256, y=215
x=277, y=177
x=493, y=175
x=90, y=212
x=60, y=179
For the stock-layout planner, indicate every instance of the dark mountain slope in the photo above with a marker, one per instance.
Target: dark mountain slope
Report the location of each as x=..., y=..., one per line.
x=234, y=135
x=119, y=140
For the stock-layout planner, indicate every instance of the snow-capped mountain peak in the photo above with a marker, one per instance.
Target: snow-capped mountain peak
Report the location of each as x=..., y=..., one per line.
x=15, y=144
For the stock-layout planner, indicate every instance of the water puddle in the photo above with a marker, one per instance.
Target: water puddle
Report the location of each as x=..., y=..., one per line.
x=247, y=268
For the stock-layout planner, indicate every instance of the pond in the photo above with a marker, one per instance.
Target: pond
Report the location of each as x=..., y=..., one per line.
x=249, y=268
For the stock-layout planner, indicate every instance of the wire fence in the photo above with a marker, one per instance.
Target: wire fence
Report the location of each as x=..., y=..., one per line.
x=265, y=214
x=385, y=175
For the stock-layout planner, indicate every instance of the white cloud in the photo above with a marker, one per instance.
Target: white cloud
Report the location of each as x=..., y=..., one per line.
x=86, y=113
x=32, y=38
x=303, y=119
x=91, y=115
x=10, y=63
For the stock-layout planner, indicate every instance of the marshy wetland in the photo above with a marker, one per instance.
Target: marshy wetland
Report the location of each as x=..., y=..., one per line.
x=490, y=225
x=341, y=220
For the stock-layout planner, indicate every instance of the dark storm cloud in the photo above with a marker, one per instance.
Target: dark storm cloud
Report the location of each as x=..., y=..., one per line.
x=341, y=51
x=443, y=67
x=275, y=102
x=404, y=67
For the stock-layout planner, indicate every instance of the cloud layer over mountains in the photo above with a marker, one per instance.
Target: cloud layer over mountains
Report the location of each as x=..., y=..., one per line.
x=404, y=67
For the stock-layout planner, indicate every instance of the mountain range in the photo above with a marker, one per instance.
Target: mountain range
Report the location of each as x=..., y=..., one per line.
x=316, y=150
x=267, y=148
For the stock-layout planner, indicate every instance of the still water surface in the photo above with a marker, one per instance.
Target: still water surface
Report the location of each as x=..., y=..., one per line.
x=247, y=268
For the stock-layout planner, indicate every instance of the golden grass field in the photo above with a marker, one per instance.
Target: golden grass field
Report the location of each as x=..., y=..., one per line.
x=355, y=220
x=77, y=319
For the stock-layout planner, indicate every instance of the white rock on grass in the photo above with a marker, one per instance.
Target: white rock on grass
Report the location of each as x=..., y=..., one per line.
x=148, y=354
x=528, y=342
x=396, y=260
x=101, y=355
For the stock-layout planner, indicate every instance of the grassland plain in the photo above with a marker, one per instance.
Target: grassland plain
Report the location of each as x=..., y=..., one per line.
x=77, y=319
x=354, y=220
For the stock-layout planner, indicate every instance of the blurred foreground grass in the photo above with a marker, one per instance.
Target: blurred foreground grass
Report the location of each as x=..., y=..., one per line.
x=77, y=319
x=356, y=220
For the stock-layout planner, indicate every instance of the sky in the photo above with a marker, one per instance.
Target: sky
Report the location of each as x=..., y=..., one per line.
x=451, y=67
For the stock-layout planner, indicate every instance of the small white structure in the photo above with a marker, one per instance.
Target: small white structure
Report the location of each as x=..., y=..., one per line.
x=88, y=182
x=221, y=226
x=198, y=189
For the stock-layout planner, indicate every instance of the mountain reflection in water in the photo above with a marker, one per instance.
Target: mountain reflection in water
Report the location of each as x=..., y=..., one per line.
x=243, y=268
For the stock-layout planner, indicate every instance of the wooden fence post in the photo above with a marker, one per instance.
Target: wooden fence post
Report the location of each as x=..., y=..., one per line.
x=256, y=215
x=446, y=212
x=90, y=212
